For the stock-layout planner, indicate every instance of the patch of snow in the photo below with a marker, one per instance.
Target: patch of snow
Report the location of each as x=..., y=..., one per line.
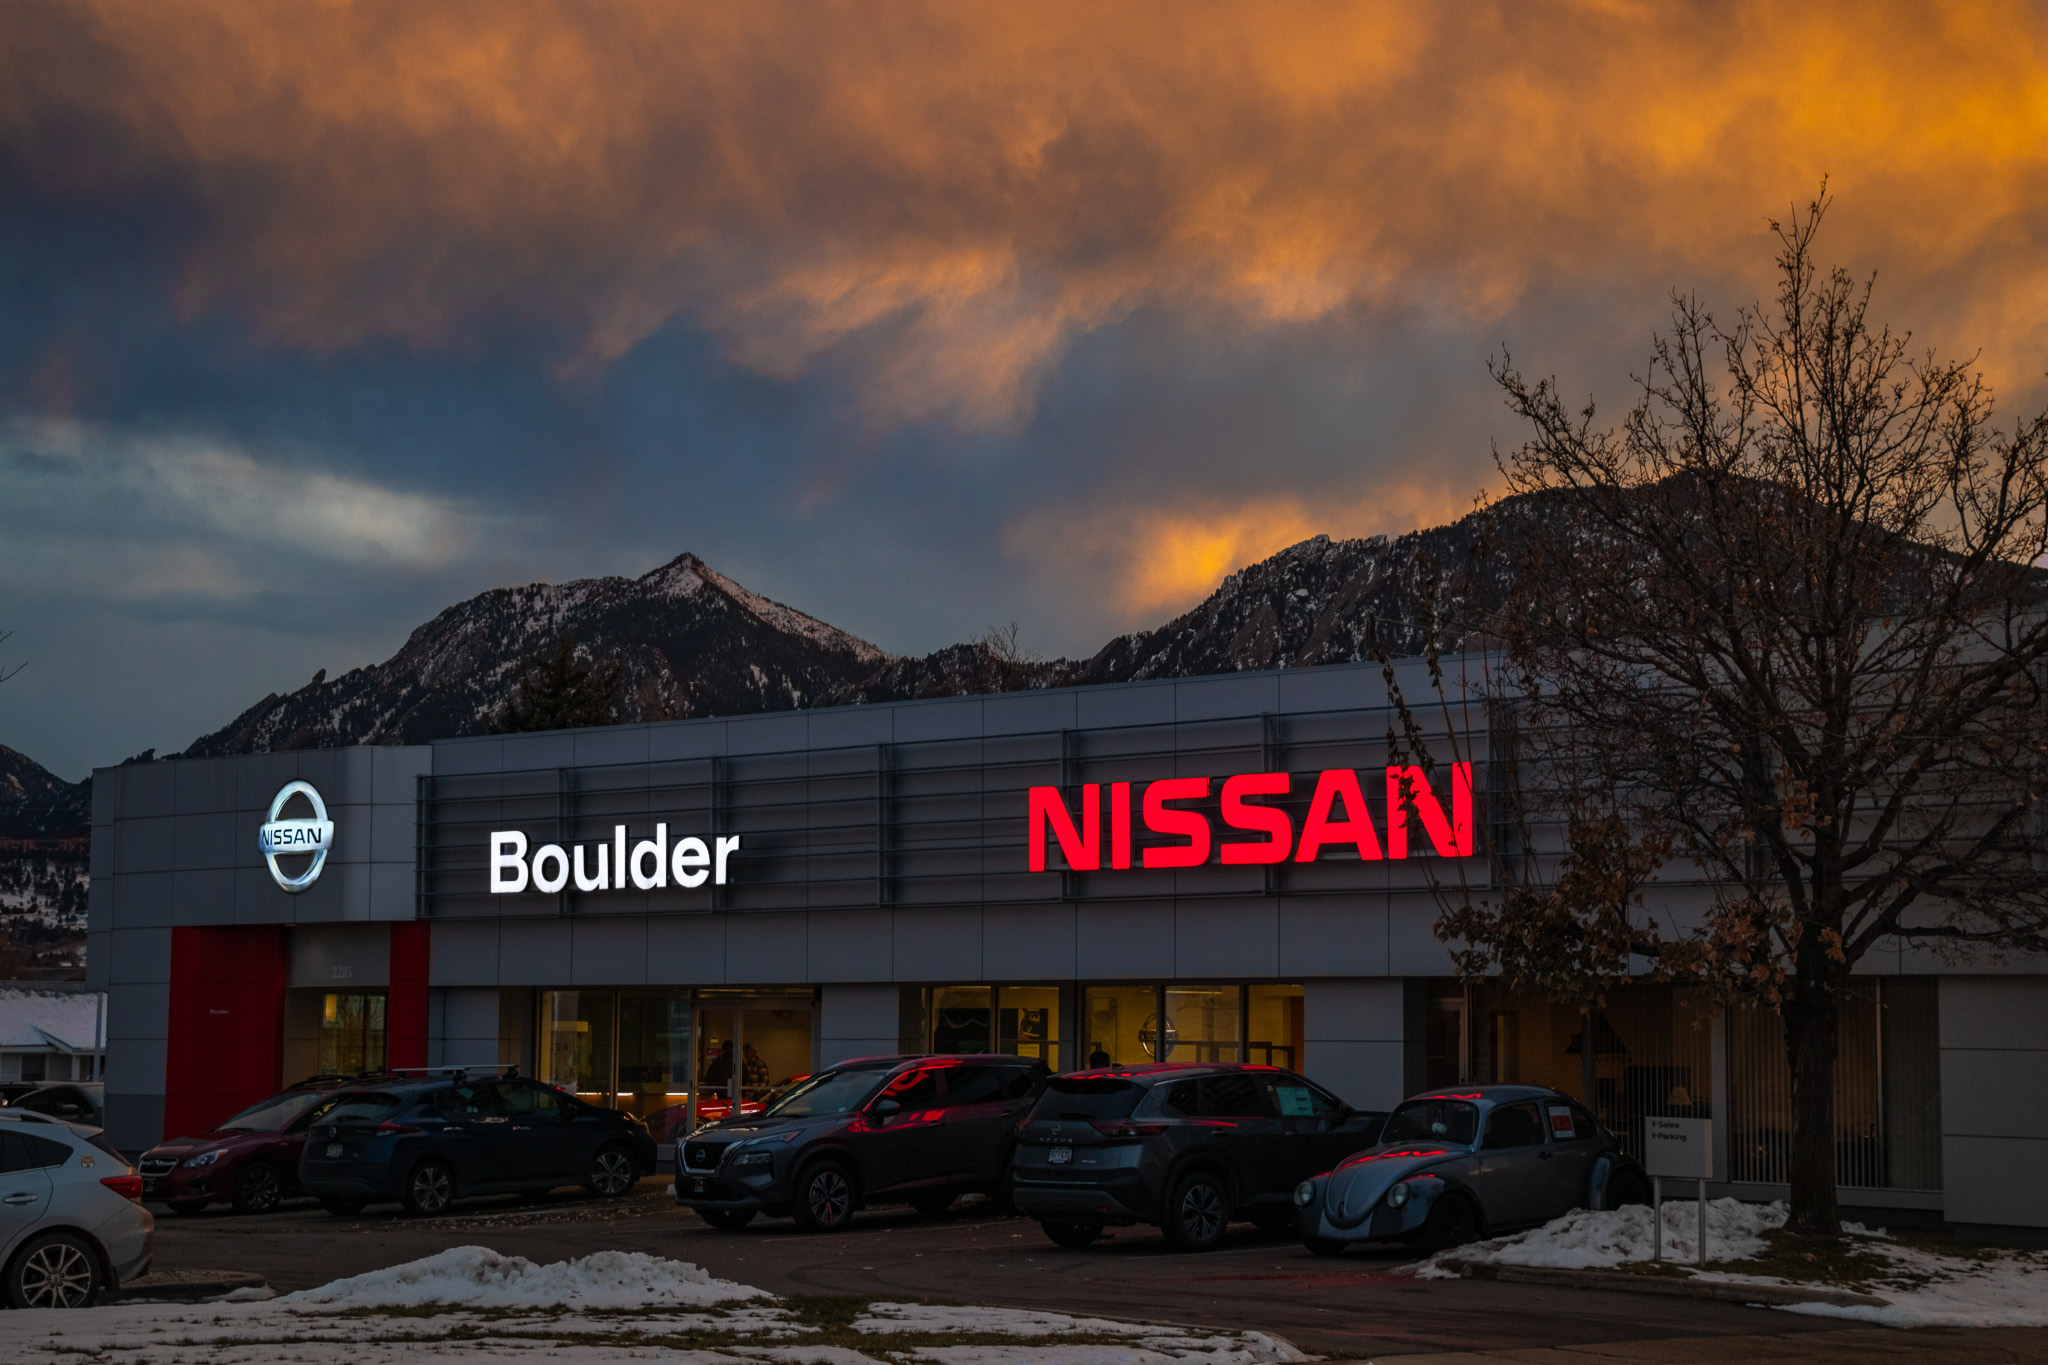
x=1599, y=1239
x=2008, y=1290
x=1019, y=1322
x=477, y=1277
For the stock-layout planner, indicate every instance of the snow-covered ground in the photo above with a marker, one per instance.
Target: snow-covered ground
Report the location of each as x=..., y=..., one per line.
x=471, y=1303
x=1922, y=1287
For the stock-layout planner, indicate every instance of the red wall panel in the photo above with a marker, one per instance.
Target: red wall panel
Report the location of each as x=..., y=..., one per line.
x=226, y=1039
x=405, y=1005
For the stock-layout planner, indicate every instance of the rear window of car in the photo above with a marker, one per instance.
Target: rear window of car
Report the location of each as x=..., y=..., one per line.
x=1087, y=1097
x=363, y=1109
x=1432, y=1121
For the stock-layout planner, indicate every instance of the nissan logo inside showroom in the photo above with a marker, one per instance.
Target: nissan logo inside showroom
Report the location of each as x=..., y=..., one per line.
x=280, y=838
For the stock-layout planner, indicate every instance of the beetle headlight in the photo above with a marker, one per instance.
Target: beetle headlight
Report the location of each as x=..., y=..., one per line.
x=203, y=1159
x=1397, y=1196
x=1305, y=1194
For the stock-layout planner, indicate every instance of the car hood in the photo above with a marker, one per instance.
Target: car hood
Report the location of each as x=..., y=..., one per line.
x=1351, y=1190
x=750, y=1125
x=181, y=1145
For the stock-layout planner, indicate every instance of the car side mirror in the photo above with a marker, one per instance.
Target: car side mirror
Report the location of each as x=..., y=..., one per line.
x=884, y=1108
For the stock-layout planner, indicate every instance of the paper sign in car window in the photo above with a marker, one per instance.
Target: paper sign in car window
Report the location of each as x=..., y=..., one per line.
x=1561, y=1122
x=1295, y=1102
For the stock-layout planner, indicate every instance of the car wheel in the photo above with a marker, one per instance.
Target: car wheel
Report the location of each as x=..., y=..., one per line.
x=824, y=1198
x=186, y=1208
x=429, y=1189
x=1323, y=1246
x=259, y=1188
x=611, y=1173
x=932, y=1205
x=1072, y=1234
x=1624, y=1188
x=1198, y=1213
x=1452, y=1222
x=341, y=1207
x=727, y=1220
x=55, y=1271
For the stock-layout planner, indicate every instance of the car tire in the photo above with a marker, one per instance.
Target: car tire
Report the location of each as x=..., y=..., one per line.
x=341, y=1207
x=429, y=1189
x=1072, y=1234
x=727, y=1220
x=824, y=1198
x=1624, y=1188
x=186, y=1208
x=1452, y=1222
x=56, y=1270
x=1197, y=1212
x=611, y=1174
x=932, y=1205
x=1323, y=1246
x=259, y=1188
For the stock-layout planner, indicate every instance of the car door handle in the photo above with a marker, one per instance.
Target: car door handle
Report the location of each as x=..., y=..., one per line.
x=24, y=1197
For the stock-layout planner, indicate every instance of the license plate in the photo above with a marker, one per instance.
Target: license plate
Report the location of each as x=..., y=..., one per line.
x=696, y=1187
x=149, y=1187
x=334, y=1149
x=1060, y=1156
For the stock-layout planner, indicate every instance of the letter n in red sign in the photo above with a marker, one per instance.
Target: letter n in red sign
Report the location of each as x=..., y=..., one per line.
x=1082, y=848
x=1452, y=837
x=1337, y=784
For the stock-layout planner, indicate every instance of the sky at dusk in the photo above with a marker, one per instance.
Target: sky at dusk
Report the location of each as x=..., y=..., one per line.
x=318, y=317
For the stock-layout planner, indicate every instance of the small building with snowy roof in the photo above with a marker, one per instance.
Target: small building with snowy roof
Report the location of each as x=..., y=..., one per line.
x=48, y=1033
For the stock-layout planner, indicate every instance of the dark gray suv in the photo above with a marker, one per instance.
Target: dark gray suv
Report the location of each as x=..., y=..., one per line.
x=916, y=1130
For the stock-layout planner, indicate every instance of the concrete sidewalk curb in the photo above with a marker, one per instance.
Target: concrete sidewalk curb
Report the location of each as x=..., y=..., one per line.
x=1776, y=1295
x=186, y=1286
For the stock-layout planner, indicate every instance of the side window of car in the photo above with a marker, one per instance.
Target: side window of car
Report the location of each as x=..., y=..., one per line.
x=527, y=1101
x=14, y=1154
x=1018, y=1082
x=1513, y=1125
x=26, y=1152
x=468, y=1101
x=913, y=1090
x=1183, y=1098
x=1294, y=1098
x=973, y=1085
x=1232, y=1097
x=1568, y=1122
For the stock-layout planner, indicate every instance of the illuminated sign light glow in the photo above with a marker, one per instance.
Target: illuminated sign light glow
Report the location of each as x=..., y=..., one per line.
x=649, y=866
x=1337, y=817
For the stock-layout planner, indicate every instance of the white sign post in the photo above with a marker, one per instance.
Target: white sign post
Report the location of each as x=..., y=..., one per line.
x=1684, y=1150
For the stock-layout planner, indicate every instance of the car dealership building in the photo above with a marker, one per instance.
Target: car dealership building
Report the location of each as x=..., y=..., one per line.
x=676, y=917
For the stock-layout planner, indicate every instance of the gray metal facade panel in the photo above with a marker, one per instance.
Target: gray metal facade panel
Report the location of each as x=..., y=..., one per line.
x=397, y=771
x=554, y=749
x=850, y=945
x=1225, y=695
x=612, y=745
x=611, y=951
x=1035, y=943
x=940, y=719
x=144, y=900
x=207, y=842
x=534, y=952
x=147, y=789
x=775, y=732
x=464, y=953
x=1228, y=940
x=1136, y=704
x=106, y=797
x=849, y=726
x=687, y=948
x=139, y=955
x=205, y=785
x=203, y=897
x=393, y=831
x=1017, y=713
x=259, y=777
x=146, y=844
x=766, y=948
x=1336, y=936
x=456, y=757
x=1125, y=941
x=682, y=740
x=939, y=944
x=394, y=892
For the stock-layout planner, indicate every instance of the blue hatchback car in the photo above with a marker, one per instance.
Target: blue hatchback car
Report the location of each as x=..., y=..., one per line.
x=424, y=1140
x=1473, y=1161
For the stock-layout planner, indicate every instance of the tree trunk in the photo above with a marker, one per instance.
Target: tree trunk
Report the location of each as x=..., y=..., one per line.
x=1813, y=1036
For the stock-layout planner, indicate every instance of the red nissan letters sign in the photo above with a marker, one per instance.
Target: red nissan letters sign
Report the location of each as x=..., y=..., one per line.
x=1337, y=817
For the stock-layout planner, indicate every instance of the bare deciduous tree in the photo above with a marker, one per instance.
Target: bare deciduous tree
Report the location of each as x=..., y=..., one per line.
x=1786, y=623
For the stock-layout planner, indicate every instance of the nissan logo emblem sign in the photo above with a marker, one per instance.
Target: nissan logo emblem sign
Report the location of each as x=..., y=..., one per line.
x=281, y=838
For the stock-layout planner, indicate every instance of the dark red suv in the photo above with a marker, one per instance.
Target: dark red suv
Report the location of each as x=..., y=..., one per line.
x=250, y=1161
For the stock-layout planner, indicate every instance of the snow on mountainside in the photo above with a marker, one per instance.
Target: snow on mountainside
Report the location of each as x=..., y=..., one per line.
x=689, y=641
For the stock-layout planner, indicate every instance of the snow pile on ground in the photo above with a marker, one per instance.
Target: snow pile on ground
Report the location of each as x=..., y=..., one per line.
x=1596, y=1239
x=477, y=1277
x=475, y=1304
x=1927, y=1289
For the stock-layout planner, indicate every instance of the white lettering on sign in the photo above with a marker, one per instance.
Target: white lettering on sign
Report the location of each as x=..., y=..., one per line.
x=1681, y=1149
x=647, y=865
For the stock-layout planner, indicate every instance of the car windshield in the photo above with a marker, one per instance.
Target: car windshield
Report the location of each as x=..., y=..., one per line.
x=274, y=1113
x=834, y=1092
x=1086, y=1098
x=362, y=1109
x=1432, y=1121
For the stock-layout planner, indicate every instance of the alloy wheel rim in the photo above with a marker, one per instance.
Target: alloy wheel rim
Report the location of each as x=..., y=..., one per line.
x=265, y=1185
x=56, y=1276
x=612, y=1175
x=430, y=1189
x=829, y=1198
x=1201, y=1212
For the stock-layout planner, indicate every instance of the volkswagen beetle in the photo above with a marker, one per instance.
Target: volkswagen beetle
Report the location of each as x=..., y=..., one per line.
x=1474, y=1161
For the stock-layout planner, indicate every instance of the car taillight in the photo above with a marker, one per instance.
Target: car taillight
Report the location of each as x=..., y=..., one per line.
x=127, y=1186
x=394, y=1126
x=1124, y=1128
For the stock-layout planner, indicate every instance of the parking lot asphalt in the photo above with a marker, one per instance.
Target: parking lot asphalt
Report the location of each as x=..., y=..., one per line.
x=1349, y=1308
